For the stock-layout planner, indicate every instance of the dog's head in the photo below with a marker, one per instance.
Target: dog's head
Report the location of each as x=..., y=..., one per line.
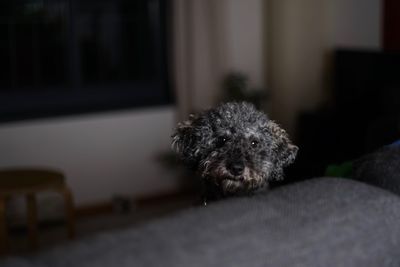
x=234, y=146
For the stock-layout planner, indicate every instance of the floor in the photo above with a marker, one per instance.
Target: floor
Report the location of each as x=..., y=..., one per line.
x=55, y=234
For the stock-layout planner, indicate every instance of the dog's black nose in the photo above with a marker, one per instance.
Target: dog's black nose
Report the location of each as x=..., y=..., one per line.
x=236, y=168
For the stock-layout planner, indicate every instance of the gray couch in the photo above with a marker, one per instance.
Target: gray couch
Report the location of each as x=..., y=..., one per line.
x=318, y=222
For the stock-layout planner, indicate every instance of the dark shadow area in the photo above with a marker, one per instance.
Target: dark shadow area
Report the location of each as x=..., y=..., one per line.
x=362, y=116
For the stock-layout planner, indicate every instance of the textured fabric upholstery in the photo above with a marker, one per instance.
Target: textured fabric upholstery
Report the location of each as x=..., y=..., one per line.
x=319, y=222
x=381, y=168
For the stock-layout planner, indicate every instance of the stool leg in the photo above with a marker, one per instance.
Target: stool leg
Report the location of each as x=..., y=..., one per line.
x=69, y=212
x=3, y=227
x=32, y=221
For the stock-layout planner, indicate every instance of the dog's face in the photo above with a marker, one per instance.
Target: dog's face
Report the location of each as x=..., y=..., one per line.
x=234, y=146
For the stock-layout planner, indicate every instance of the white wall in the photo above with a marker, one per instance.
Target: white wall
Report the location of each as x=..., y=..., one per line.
x=354, y=23
x=101, y=154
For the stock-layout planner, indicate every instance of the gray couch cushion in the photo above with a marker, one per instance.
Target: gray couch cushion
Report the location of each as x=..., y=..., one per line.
x=320, y=222
x=381, y=168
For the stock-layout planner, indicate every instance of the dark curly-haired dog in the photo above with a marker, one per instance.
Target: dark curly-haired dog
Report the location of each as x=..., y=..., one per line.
x=235, y=148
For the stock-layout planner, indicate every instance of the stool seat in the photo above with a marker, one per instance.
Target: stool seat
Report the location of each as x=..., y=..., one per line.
x=14, y=181
x=29, y=182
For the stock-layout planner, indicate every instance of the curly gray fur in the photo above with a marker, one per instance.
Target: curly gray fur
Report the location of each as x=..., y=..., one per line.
x=235, y=148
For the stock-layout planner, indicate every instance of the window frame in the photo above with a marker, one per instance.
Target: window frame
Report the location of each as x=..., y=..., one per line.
x=76, y=98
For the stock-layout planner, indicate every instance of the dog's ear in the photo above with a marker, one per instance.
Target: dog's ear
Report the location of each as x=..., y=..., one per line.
x=185, y=140
x=285, y=151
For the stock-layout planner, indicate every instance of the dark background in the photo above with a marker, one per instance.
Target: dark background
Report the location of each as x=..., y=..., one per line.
x=364, y=112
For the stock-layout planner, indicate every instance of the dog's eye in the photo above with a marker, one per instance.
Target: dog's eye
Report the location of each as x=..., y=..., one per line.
x=254, y=143
x=221, y=141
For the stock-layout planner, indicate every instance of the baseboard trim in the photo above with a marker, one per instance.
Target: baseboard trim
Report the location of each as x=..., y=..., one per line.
x=94, y=209
x=107, y=207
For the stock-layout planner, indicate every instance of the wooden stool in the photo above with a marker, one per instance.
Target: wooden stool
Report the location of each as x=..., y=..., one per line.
x=29, y=182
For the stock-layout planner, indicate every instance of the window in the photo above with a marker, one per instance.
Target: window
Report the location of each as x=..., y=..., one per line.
x=68, y=56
